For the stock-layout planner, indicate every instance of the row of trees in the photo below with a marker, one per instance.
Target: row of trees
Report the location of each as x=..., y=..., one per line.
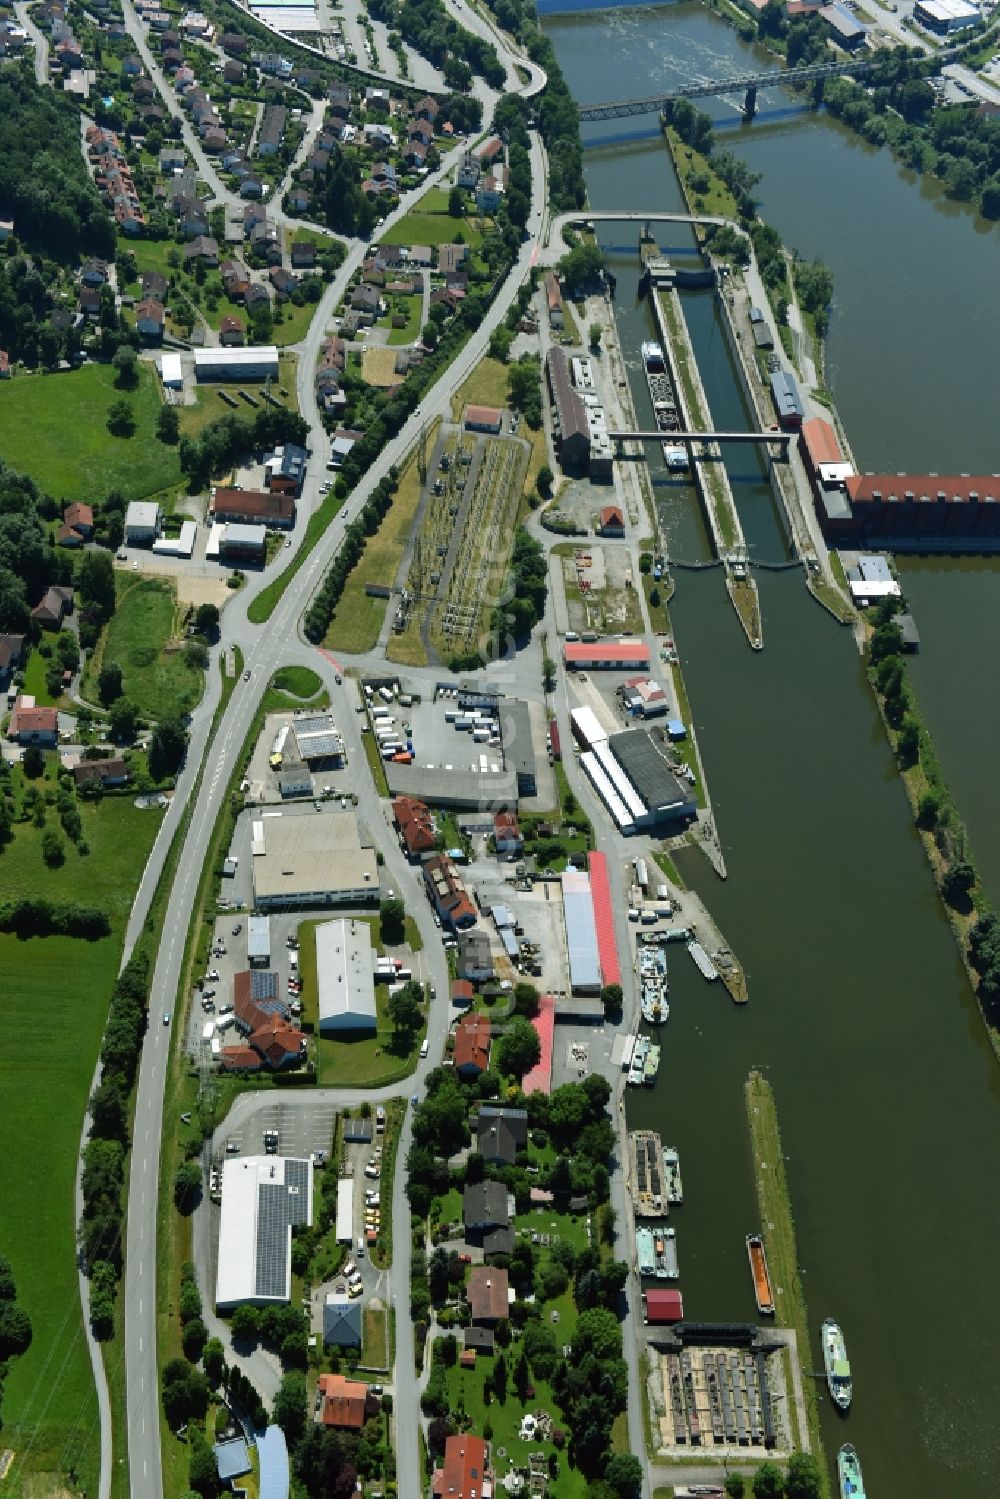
x=431, y=31
x=38, y=917
x=364, y=524
x=15, y=1323
x=28, y=562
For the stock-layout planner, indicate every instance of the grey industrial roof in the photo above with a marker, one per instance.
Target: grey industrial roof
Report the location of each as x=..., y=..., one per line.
x=570, y=410
x=581, y=934
x=232, y=1459
x=515, y=734
x=240, y=533
x=258, y=938
x=317, y=737
x=272, y=1457
x=314, y=854
x=648, y=771
x=786, y=394
x=454, y=786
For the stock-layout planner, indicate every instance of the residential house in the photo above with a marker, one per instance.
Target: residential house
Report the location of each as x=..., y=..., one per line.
x=448, y=895
x=203, y=247
x=488, y=1295
x=378, y=100
x=297, y=200
x=420, y=131
x=427, y=109
x=6, y=230
x=489, y=193
x=468, y=172
x=415, y=154
x=485, y=1206
x=472, y=1045
x=90, y=301
x=491, y=153
x=233, y=72
x=507, y=833
x=553, y=300
x=415, y=824
x=344, y=1403
x=131, y=65
x=366, y=298
x=231, y=332
x=94, y=273
x=235, y=279
x=466, y=1473
x=303, y=254
x=447, y=296
x=172, y=159
x=341, y=1322
x=272, y=130
x=11, y=657
x=285, y=469
x=451, y=258
x=283, y=281
x=475, y=958
x=213, y=139
x=192, y=217
x=53, y=606
x=461, y=991
x=501, y=1132
x=256, y=297
x=266, y=241
x=111, y=771
x=67, y=537
x=81, y=518
x=253, y=507
x=232, y=41
x=149, y=319
x=31, y=725
x=340, y=101
x=420, y=255
x=251, y=187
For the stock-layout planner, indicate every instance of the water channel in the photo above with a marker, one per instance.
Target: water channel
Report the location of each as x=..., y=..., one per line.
x=887, y=1091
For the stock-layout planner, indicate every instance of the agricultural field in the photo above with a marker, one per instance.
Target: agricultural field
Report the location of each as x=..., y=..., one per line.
x=54, y=428
x=57, y=993
x=144, y=637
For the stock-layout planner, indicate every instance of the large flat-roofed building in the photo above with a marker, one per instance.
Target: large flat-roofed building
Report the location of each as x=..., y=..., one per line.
x=255, y=363
x=344, y=978
x=665, y=798
x=243, y=543
x=456, y=786
x=924, y=512
x=142, y=522
x=581, y=933
x=944, y=16
x=518, y=743
x=606, y=655
x=570, y=426
x=317, y=738
x=315, y=860
x=263, y=1198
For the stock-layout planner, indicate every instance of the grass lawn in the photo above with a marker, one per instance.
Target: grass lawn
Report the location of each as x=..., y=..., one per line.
x=357, y=619
x=430, y=223
x=34, y=680
x=294, y=323
x=263, y=606
x=138, y=637
x=58, y=990
x=374, y=1340
x=410, y=308
x=209, y=404
x=298, y=680
x=54, y=427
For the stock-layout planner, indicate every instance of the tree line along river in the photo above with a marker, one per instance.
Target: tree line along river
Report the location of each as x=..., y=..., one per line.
x=860, y=1015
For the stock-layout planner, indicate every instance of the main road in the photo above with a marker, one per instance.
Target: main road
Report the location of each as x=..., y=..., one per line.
x=264, y=650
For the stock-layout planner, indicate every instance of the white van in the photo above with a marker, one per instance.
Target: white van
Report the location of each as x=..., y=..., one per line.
x=423, y=1047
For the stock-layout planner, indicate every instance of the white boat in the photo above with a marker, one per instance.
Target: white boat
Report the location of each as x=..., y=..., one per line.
x=652, y=357
x=837, y=1366
x=637, y=1068
x=702, y=961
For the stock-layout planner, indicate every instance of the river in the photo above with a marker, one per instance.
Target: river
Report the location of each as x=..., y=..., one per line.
x=860, y=1015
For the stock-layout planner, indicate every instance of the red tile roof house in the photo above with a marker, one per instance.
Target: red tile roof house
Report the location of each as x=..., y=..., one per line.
x=111, y=771
x=466, y=1473
x=56, y=602
x=472, y=1045
x=447, y=893
x=612, y=521
x=486, y=1294
x=416, y=825
x=345, y=1403
x=31, y=725
x=507, y=833
x=80, y=517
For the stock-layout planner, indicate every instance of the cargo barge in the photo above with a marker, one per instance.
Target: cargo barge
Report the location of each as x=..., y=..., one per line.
x=703, y=962
x=666, y=413
x=761, y=1275
x=672, y=1173
x=647, y=1175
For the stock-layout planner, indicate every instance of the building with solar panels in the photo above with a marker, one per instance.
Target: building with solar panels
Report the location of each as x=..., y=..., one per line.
x=263, y=1198
x=318, y=741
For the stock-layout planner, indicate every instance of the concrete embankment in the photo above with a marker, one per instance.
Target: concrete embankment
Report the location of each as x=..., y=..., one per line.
x=710, y=477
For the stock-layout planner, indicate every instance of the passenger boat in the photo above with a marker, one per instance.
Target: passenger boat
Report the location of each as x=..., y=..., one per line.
x=653, y=361
x=645, y=1251
x=761, y=1275
x=652, y=1066
x=655, y=1005
x=835, y=1362
x=638, y=1064
x=852, y=1485
x=672, y=1172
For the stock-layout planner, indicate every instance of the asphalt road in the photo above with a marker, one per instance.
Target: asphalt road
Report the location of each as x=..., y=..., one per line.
x=265, y=649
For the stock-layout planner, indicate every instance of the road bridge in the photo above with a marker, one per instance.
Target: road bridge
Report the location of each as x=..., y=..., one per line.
x=746, y=84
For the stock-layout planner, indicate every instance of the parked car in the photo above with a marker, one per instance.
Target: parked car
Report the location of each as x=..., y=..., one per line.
x=237, y=929
x=166, y=1017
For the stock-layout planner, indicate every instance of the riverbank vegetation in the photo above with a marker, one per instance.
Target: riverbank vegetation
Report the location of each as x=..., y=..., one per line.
x=778, y=1229
x=959, y=144
x=974, y=922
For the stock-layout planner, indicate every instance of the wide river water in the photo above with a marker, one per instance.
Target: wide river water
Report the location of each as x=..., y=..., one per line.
x=887, y=1091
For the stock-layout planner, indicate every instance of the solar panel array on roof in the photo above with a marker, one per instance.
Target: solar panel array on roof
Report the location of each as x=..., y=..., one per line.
x=317, y=737
x=272, y=1239
x=264, y=991
x=297, y=1184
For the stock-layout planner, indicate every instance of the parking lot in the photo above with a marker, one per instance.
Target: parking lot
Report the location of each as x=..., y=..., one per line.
x=260, y=784
x=303, y=1130
x=213, y=996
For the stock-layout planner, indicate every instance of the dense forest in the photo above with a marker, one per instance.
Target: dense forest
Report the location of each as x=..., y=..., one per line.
x=44, y=186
